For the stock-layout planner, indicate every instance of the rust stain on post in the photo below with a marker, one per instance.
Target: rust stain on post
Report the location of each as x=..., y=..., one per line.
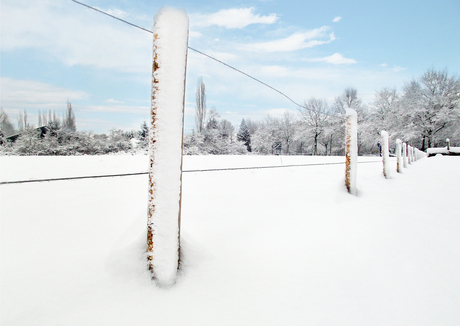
x=152, y=141
x=348, y=154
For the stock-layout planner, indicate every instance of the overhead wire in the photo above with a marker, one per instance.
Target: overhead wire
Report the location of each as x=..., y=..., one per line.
x=202, y=53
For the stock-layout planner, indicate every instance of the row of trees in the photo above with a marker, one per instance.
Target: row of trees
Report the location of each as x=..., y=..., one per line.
x=59, y=136
x=423, y=114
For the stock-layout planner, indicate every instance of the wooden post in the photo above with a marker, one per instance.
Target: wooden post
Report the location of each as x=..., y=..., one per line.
x=448, y=144
x=398, y=156
x=404, y=155
x=409, y=154
x=385, y=154
x=351, y=150
x=170, y=45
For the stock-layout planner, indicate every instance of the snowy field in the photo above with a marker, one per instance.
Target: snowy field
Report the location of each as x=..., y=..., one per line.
x=281, y=246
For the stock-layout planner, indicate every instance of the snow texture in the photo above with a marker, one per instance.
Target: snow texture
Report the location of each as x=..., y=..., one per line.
x=385, y=154
x=165, y=143
x=283, y=246
x=351, y=150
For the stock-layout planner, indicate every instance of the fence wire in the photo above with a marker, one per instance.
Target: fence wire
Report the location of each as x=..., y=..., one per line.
x=184, y=171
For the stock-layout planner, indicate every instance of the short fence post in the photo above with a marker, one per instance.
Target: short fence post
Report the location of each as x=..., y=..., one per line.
x=398, y=156
x=405, y=155
x=385, y=154
x=409, y=154
x=170, y=45
x=351, y=150
x=448, y=144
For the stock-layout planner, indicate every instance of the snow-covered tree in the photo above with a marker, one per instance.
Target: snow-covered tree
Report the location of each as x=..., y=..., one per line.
x=244, y=135
x=69, y=119
x=315, y=116
x=200, y=108
x=433, y=104
x=6, y=127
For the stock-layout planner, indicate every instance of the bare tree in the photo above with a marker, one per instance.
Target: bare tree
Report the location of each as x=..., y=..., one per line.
x=314, y=114
x=226, y=130
x=200, y=109
x=22, y=120
x=287, y=129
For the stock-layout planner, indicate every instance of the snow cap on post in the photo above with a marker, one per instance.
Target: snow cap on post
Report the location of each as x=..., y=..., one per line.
x=170, y=46
x=351, y=150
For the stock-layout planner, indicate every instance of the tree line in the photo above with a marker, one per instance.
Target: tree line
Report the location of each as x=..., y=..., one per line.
x=57, y=135
x=424, y=113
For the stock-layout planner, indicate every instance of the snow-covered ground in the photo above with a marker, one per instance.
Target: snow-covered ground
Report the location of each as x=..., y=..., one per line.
x=282, y=246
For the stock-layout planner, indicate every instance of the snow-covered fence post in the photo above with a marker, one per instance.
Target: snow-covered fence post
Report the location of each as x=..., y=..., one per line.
x=409, y=154
x=448, y=144
x=405, y=155
x=385, y=154
x=351, y=150
x=398, y=156
x=170, y=46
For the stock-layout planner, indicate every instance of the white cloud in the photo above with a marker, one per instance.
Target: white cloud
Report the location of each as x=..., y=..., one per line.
x=393, y=69
x=26, y=94
x=195, y=34
x=335, y=59
x=232, y=18
x=223, y=56
x=337, y=19
x=111, y=100
x=132, y=109
x=295, y=42
x=75, y=35
x=398, y=69
x=116, y=12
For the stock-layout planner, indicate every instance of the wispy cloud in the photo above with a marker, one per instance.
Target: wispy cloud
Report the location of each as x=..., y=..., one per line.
x=335, y=59
x=112, y=101
x=392, y=69
x=195, y=34
x=116, y=108
x=74, y=36
x=337, y=19
x=297, y=41
x=232, y=18
x=36, y=95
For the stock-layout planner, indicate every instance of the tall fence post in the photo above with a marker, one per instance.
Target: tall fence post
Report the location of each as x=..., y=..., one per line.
x=170, y=46
x=385, y=154
x=398, y=156
x=351, y=150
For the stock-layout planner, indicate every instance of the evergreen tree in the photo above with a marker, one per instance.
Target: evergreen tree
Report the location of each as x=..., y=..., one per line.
x=69, y=120
x=200, y=109
x=244, y=136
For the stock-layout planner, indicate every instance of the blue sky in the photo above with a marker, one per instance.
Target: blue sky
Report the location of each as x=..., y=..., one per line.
x=55, y=50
